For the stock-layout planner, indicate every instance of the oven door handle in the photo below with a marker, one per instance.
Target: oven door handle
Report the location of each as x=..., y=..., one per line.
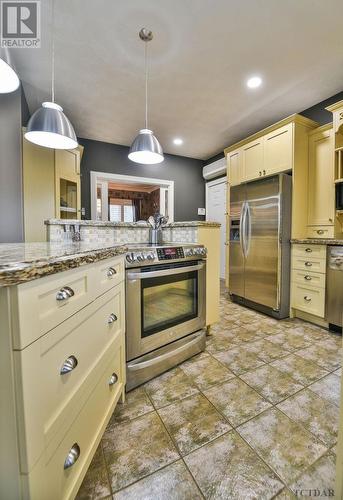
x=166, y=272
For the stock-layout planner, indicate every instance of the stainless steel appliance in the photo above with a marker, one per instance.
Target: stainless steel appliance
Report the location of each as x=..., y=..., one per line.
x=259, y=245
x=165, y=308
x=334, y=281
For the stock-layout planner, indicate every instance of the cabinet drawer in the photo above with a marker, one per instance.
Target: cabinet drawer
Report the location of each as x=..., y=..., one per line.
x=49, y=479
x=316, y=280
x=43, y=304
x=49, y=399
x=108, y=273
x=309, y=251
x=309, y=264
x=310, y=300
x=320, y=231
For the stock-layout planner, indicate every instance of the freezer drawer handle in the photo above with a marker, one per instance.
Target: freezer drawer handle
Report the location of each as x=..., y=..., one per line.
x=308, y=264
x=308, y=250
x=72, y=456
x=65, y=293
x=308, y=299
x=307, y=277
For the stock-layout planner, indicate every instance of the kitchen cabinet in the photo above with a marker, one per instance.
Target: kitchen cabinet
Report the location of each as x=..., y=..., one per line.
x=253, y=166
x=51, y=187
x=64, y=373
x=308, y=282
x=67, y=184
x=235, y=167
x=278, y=150
x=321, y=187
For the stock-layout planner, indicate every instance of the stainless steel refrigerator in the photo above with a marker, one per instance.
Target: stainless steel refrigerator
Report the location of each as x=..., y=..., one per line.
x=259, y=245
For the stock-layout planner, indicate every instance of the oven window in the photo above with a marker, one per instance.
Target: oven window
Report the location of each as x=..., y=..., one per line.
x=168, y=301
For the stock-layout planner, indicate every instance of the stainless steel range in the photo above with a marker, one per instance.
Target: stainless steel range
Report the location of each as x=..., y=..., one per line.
x=165, y=308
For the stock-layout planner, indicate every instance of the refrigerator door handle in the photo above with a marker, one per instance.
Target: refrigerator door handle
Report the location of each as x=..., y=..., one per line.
x=247, y=228
x=242, y=229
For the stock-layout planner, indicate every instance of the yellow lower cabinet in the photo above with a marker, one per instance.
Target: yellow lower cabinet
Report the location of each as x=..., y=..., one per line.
x=307, y=278
x=309, y=251
x=308, y=299
x=58, y=475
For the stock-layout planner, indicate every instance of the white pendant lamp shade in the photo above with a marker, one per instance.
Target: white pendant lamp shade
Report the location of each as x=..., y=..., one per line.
x=9, y=81
x=49, y=127
x=146, y=149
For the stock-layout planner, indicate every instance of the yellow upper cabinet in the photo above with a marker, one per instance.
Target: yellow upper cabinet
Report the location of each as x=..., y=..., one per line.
x=268, y=152
x=321, y=190
x=253, y=165
x=278, y=150
x=235, y=166
x=67, y=184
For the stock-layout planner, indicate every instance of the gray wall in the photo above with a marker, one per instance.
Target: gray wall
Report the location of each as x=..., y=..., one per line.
x=186, y=173
x=11, y=208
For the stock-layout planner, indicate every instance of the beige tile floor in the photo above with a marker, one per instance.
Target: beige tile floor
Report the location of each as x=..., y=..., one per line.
x=253, y=417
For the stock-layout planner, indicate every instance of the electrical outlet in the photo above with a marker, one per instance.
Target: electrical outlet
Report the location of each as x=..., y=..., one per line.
x=201, y=211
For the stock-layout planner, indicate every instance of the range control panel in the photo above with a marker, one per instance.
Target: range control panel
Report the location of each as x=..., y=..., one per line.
x=167, y=253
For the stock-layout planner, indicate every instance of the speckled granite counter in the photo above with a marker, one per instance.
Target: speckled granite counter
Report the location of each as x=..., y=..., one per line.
x=21, y=262
x=100, y=223
x=317, y=241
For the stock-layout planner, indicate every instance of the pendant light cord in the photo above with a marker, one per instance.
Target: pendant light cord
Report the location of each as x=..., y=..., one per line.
x=52, y=52
x=146, y=83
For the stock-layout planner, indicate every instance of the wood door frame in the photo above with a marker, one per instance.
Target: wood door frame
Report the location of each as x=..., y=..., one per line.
x=103, y=177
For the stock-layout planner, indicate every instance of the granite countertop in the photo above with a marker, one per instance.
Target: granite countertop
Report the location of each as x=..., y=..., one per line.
x=22, y=262
x=100, y=223
x=317, y=241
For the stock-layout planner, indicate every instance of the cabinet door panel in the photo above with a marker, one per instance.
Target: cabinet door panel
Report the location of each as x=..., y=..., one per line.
x=321, y=194
x=278, y=150
x=235, y=170
x=253, y=159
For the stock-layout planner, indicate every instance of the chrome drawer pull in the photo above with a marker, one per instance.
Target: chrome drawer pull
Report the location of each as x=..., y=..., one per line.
x=113, y=379
x=309, y=250
x=307, y=277
x=69, y=365
x=72, y=456
x=308, y=299
x=112, y=318
x=264, y=172
x=320, y=231
x=308, y=264
x=111, y=272
x=65, y=293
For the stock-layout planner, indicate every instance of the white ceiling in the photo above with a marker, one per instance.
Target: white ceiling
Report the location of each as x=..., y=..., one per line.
x=202, y=53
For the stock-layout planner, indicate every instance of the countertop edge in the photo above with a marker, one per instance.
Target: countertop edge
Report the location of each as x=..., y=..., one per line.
x=317, y=241
x=134, y=225
x=23, y=272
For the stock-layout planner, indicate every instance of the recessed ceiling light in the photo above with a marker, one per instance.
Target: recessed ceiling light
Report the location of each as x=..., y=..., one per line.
x=254, y=82
x=178, y=141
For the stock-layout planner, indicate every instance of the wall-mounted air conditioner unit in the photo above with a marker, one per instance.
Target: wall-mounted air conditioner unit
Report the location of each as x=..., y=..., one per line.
x=215, y=169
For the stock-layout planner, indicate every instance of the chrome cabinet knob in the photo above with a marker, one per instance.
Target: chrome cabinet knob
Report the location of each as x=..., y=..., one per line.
x=65, y=293
x=260, y=173
x=69, y=365
x=72, y=456
x=308, y=299
x=113, y=379
x=308, y=264
x=111, y=272
x=308, y=250
x=320, y=231
x=307, y=277
x=112, y=318
x=264, y=172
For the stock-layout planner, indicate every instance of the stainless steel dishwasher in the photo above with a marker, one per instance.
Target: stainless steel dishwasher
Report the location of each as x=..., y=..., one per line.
x=334, y=280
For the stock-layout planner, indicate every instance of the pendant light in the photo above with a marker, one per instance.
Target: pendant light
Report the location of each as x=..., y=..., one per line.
x=48, y=126
x=9, y=81
x=145, y=148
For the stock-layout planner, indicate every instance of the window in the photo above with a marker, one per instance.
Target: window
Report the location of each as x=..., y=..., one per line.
x=121, y=210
